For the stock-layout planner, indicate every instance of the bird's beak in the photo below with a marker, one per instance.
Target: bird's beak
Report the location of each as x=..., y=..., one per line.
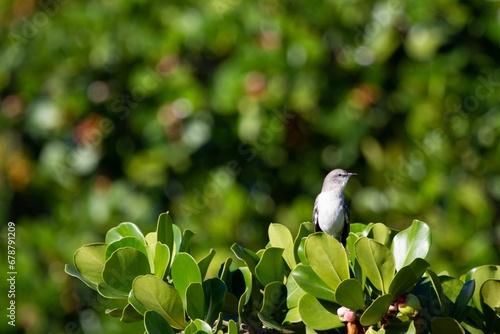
x=352, y=174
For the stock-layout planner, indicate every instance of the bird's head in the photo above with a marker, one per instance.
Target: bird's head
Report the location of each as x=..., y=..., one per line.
x=336, y=180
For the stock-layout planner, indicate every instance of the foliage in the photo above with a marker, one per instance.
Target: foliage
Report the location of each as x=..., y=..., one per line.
x=379, y=283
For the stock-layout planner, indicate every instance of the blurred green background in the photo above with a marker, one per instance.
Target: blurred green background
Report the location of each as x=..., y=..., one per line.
x=228, y=114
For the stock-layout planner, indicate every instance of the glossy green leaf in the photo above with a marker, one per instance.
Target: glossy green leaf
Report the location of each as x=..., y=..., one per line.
x=292, y=316
x=123, y=266
x=214, y=291
x=381, y=233
x=270, y=267
x=161, y=260
x=301, y=252
x=151, y=238
x=316, y=315
x=304, y=230
x=350, y=294
x=438, y=290
x=232, y=328
x=460, y=307
x=154, y=323
x=89, y=261
x=195, y=301
x=124, y=230
x=164, y=230
x=480, y=275
x=177, y=240
x=135, y=303
x=187, y=236
x=114, y=312
x=250, y=258
x=407, y=277
x=110, y=292
x=294, y=292
x=158, y=296
x=328, y=259
x=131, y=242
x=411, y=243
x=311, y=283
x=446, y=325
x=198, y=326
x=204, y=263
x=360, y=229
x=376, y=261
x=72, y=271
x=376, y=310
x=490, y=294
x=185, y=271
x=280, y=237
x=130, y=315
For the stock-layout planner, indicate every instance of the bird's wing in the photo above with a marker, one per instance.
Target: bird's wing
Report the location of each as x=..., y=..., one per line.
x=347, y=222
x=315, y=217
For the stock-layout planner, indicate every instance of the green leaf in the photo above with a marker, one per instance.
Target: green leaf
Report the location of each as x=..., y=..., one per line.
x=72, y=271
x=110, y=292
x=225, y=269
x=460, y=308
x=131, y=242
x=301, y=251
x=280, y=237
x=124, y=230
x=158, y=296
x=187, y=236
x=151, y=238
x=376, y=261
x=161, y=259
x=292, y=316
x=304, y=230
x=407, y=277
x=270, y=267
x=273, y=302
x=164, y=230
x=350, y=294
x=232, y=328
x=154, y=323
x=184, y=272
x=89, y=261
x=377, y=309
x=438, y=289
x=381, y=233
x=480, y=275
x=317, y=316
x=411, y=243
x=130, y=315
x=198, y=326
x=204, y=263
x=294, y=292
x=490, y=293
x=328, y=259
x=446, y=325
x=177, y=240
x=135, y=303
x=311, y=283
x=250, y=258
x=215, y=291
x=195, y=301
x=122, y=267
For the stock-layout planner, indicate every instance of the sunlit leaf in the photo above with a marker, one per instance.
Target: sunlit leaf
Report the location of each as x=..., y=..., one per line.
x=376, y=261
x=318, y=316
x=124, y=230
x=328, y=259
x=376, y=310
x=280, y=237
x=311, y=283
x=184, y=272
x=270, y=267
x=158, y=296
x=411, y=243
x=350, y=294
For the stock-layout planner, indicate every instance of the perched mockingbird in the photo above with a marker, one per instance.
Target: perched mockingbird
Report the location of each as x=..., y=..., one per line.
x=331, y=211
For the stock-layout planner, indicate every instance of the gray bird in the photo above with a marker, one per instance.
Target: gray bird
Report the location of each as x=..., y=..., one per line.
x=331, y=211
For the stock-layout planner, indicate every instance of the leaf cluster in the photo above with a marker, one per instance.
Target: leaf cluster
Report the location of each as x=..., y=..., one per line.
x=295, y=284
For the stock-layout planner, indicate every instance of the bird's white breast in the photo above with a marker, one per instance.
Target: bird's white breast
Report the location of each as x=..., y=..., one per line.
x=331, y=213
